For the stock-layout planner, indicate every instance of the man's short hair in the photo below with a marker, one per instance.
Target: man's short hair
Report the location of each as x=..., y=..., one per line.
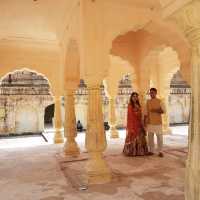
x=153, y=89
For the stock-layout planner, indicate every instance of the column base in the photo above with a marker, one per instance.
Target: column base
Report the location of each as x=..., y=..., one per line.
x=192, y=186
x=97, y=169
x=114, y=133
x=96, y=178
x=58, y=138
x=71, y=149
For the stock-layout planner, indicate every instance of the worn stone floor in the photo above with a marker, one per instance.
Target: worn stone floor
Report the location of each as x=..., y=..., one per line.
x=34, y=172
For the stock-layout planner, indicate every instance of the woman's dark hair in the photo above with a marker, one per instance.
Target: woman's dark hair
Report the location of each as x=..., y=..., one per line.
x=131, y=100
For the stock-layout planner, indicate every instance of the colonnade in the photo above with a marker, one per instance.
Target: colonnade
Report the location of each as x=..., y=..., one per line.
x=95, y=58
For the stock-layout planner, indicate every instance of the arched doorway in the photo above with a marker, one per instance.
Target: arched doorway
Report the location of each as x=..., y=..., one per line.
x=152, y=69
x=49, y=114
x=24, y=95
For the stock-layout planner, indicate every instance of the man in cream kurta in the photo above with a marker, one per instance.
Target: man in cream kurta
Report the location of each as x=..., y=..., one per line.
x=153, y=120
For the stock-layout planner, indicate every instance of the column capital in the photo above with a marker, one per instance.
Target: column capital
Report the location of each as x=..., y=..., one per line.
x=188, y=20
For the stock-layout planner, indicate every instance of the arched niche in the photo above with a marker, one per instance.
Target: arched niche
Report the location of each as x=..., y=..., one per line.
x=10, y=73
x=135, y=44
x=25, y=94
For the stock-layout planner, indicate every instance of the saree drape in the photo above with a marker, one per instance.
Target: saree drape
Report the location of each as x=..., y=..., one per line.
x=135, y=142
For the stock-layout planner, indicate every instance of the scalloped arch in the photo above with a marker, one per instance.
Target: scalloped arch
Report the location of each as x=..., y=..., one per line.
x=29, y=70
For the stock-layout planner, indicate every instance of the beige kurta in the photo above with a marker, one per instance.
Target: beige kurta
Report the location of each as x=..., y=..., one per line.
x=154, y=120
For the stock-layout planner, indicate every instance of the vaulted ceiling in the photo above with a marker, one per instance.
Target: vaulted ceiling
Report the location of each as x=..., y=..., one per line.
x=45, y=20
x=33, y=19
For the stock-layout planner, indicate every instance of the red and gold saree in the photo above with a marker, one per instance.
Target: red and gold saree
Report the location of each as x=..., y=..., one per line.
x=135, y=143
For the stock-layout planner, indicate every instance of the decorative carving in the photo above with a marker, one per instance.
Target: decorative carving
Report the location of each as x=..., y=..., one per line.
x=70, y=147
x=58, y=138
x=188, y=19
x=97, y=169
x=114, y=133
x=97, y=141
x=23, y=88
x=179, y=100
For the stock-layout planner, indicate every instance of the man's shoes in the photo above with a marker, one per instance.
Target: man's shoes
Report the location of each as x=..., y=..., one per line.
x=161, y=154
x=150, y=154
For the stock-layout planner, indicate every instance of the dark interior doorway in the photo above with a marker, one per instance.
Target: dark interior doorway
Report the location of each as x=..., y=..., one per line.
x=49, y=114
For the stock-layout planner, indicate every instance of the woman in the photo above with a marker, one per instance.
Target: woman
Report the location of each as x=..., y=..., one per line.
x=135, y=143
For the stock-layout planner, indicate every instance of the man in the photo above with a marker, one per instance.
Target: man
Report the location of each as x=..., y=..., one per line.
x=79, y=126
x=153, y=120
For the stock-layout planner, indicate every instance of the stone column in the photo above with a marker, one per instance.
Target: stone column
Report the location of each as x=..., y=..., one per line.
x=144, y=83
x=142, y=98
x=143, y=92
x=94, y=62
x=193, y=162
x=189, y=20
x=165, y=116
x=97, y=168
x=165, y=122
x=70, y=147
x=58, y=137
x=113, y=131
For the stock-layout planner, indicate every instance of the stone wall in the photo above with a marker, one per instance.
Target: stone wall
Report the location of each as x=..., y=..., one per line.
x=179, y=100
x=179, y=105
x=23, y=98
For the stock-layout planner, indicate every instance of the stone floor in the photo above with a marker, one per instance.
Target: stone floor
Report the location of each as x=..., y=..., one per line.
x=30, y=170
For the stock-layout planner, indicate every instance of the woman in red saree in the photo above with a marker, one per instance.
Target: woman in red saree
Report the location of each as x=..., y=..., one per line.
x=135, y=143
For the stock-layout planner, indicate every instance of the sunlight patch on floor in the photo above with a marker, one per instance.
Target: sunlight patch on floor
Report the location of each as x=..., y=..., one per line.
x=179, y=136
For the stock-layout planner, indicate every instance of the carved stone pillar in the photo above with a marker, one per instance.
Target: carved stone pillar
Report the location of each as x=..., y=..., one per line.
x=58, y=137
x=189, y=20
x=113, y=131
x=165, y=116
x=165, y=122
x=97, y=168
x=193, y=162
x=144, y=85
x=142, y=98
x=70, y=147
x=94, y=62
